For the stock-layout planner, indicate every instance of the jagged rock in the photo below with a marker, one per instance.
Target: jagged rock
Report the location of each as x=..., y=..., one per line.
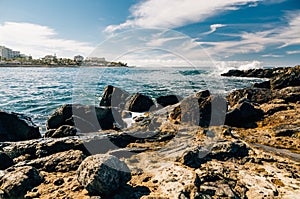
x=139, y=103
x=168, y=100
x=17, y=127
x=288, y=94
x=200, y=109
x=5, y=160
x=85, y=118
x=259, y=73
x=254, y=95
x=102, y=174
x=18, y=180
x=291, y=77
x=244, y=115
x=265, y=84
x=114, y=97
x=62, y=131
x=59, y=162
x=222, y=150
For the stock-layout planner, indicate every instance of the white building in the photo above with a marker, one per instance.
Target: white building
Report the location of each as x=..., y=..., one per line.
x=95, y=59
x=8, y=53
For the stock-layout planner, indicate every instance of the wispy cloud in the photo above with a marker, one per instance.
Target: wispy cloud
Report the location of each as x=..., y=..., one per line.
x=213, y=28
x=175, y=13
x=272, y=55
x=38, y=40
x=293, y=52
x=259, y=41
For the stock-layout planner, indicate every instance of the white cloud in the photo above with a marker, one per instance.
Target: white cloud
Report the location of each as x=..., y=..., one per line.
x=38, y=40
x=214, y=27
x=272, y=55
x=174, y=13
x=293, y=52
x=259, y=41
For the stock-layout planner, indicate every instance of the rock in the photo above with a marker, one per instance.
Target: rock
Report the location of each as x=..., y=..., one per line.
x=62, y=131
x=5, y=160
x=114, y=97
x=288, y=94
x=85, y=118
x=265, y=84
x=59, y=181
x=200, y=109
x=221, y=150
x=139, y=103
x=291, y=77
x=258, y=73
x=17, y=127
x=254, y=95
x=245, y=115
x=18, y=180
x=168, y=100
x=59, y=162
x=102, y=174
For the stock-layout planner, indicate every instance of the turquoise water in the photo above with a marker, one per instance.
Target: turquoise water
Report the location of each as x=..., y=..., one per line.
x=37, y=92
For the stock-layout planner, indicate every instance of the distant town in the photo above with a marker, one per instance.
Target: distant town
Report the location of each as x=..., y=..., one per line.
x=12, y=58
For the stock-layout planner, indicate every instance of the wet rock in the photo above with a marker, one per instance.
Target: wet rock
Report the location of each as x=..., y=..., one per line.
x=139, y=103
x=5, y=160
x=17, y=127
x=114, y=97
x=18, y=180
x=258, y=73
x=62, y=131
x=200, y=109
x=245, y=115
x=59, y=162
x=85, y=118
x=222, y=150
x=102, y=174
x=168, y=100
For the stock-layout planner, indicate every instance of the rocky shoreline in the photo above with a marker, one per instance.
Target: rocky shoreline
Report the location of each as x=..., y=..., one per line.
x=204, y=146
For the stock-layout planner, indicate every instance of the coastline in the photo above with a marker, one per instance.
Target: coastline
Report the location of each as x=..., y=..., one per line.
x=254, y=153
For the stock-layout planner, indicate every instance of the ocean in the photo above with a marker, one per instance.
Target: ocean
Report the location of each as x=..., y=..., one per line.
x=37, y=92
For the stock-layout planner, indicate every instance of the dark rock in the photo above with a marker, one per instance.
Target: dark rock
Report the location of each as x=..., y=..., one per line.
x=222, y=150
x=265, y=84
x=114, y=97
x=200, y=109
x=289, y=94
x=254, y=95
x=59, y=181
x=17, y=127
x=85, y=118
x=258, y=73
x=62, y=131
x=18, y=180
x=59, y=162
x=291, y=77
x=102, y=174
x=5, y=160
x=139, y=103
x=245, y=115
x=168, y=100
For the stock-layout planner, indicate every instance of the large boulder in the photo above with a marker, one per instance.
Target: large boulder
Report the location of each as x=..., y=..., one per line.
x=17, y=127
x=200, y=109
x=102, y=174
x=168, y=100
x=244, y=115
x=85, y=118
x=18, y=180
x=139, y=103
x=5, y=160
x=114, y=97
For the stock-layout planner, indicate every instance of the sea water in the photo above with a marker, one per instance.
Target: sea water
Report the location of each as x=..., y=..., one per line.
x=37, y=92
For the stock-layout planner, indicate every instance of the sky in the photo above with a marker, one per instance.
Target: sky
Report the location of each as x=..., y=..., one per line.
x=237, y=33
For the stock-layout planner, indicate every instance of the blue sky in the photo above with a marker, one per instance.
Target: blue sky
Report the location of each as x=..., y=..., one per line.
x=161, y=32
